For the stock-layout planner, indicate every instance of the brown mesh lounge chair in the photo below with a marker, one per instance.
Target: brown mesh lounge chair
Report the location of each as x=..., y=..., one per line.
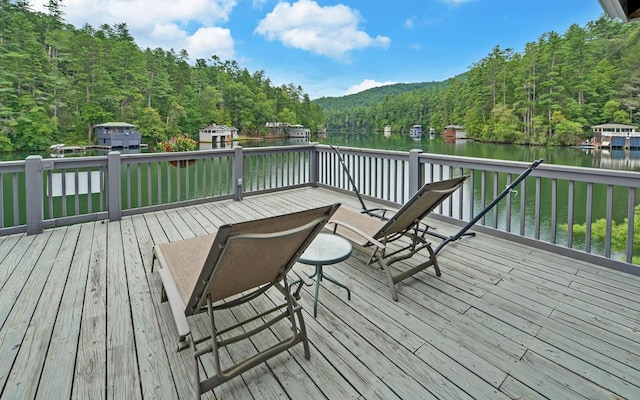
x=368, y=231
x=231, y=267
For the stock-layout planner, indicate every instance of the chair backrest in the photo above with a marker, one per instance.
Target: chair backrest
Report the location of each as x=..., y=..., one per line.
x=248, y=255
x=426, y=199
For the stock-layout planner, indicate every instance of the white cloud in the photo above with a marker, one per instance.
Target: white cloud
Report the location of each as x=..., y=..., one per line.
x=259, y=3
x=160, y=23
x=331, y=31
x=145, y=13
x=209, y=41
x=367, y=84
x=410, y=22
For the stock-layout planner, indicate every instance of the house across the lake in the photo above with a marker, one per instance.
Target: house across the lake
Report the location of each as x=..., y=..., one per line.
x=217, y=134
x=297, y=131
x=294, y=131
x=276, y=128
x=454, y=132
x=118, y=135
x=616, y=136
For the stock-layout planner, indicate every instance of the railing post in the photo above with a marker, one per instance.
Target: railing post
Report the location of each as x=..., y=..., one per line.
x=415, y=172
x=114, y=191
x=238, y=173
x=34, y=194
x=314, y=165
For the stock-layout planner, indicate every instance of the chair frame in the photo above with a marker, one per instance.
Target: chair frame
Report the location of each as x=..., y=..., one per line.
x=202, y=300
x=395, y=227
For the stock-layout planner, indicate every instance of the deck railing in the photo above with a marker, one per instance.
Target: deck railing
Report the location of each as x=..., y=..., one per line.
x=568, y=208
x=571, y=208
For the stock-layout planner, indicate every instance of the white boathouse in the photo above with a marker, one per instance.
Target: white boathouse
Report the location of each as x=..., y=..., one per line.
x=616, y=136
x=217, y=134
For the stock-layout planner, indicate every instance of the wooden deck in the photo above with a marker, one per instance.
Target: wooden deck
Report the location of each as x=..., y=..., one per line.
x=80, y=318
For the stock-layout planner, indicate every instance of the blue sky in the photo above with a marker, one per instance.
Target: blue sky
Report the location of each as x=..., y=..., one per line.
x=337, y=47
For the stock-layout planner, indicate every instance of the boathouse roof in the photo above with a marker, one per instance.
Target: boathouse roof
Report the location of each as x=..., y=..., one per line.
x=615, y=126
x=219, y=127
x=116, y=125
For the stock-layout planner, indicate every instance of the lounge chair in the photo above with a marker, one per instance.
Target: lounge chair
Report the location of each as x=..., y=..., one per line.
x=371, y=232
x=235, y=265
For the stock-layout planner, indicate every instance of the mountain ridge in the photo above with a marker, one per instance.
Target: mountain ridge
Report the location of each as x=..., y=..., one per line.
x=378, y=94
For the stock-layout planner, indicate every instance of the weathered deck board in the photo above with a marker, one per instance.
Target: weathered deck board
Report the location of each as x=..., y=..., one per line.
x=81, y=317
x=22, y=306
x=91, y=357
x=44, y=301
x=64, y=340
x=155, y=374
x=9, y=254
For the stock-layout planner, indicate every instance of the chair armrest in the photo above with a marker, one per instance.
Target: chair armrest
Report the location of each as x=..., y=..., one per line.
x=374, y=212
x=173, y=295
x=355, y=230
x=303, y=279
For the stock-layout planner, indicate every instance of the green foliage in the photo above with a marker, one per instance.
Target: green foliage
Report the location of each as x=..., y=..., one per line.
x=287, y=116
x=57, y=82
x=618, y=233
x=505, y=124
x=609, y=109
x=621, y=117
x=151, y=126
x=176, y=143
x=567, y=132
x=589, y=75
x=5, y=144
x=35, y=127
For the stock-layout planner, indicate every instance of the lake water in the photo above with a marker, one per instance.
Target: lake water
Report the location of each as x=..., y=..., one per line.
x=612, y=159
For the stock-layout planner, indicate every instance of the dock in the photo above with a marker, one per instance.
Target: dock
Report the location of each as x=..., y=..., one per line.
x=82, y=149
x=81, y=317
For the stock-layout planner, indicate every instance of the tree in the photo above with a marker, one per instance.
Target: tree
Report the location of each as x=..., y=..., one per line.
x=566, y=132
x=505, y=126
x=35, y=127
x=621, y=117
x=287, y=116
x=151, y=125
x=609, y=110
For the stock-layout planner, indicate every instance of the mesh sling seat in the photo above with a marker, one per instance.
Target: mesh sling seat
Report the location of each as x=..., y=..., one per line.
x=371, y=232
x=231, y=267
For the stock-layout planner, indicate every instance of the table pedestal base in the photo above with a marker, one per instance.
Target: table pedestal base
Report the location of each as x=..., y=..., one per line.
x=322, y=276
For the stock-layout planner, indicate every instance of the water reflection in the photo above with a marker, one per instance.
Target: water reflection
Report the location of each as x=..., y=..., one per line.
x=254, y=143
x=216, y=145
x=619, y=159
x=610, y=159
x=97, y=152
x=616, y=159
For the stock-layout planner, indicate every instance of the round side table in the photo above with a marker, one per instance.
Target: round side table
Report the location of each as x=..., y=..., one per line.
x=326, y=249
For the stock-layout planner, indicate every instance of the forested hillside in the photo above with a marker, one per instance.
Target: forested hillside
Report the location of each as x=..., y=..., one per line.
x=372, y=96
x=551, y=93
x=57, y=82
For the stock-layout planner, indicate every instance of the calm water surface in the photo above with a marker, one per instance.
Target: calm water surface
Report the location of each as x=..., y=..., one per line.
x=612, y=159
x=615, y=159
